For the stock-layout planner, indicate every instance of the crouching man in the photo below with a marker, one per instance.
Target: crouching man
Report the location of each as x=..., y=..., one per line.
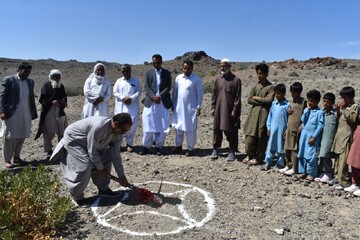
x=88, y=149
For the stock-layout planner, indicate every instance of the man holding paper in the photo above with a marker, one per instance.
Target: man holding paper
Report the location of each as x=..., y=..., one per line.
x=157, y=102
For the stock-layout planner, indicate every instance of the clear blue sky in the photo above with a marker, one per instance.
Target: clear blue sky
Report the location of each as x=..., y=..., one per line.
x=132, y=30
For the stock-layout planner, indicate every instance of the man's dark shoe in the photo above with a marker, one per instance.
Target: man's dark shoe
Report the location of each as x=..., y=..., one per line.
x=81, y=202
x=214, y=154
x=109, y=193
x=231, y=157
x=144, y=151
x=189, y=153
x=177, y=150
x=158, y=151
x=265, y=167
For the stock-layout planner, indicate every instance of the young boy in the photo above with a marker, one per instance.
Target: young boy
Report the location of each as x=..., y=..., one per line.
x=297, y=106
x=276, y=125
x=260, y=99
x=312, y=125
x=347, y=114
x=330, y=125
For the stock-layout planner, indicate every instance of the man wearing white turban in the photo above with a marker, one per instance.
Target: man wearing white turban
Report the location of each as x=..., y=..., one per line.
x=97, y=91
x=53, y=100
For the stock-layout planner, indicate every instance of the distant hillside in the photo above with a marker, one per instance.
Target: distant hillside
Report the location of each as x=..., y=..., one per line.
x=75, y=73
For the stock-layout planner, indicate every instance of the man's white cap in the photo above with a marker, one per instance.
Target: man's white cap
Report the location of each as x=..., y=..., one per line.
x=225, y=60
x=54, y=72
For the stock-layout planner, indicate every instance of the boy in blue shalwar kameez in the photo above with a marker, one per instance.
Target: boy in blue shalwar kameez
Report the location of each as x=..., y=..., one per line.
x=311, y=129
x=276, y=124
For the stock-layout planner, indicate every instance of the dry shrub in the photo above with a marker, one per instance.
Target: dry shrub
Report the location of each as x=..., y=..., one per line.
x=30, y=205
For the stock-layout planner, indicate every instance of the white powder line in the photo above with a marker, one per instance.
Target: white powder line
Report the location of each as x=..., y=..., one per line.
x=188, y=219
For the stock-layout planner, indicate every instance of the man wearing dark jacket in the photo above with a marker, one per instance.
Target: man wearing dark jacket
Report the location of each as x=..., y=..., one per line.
x=157, y=102
x=17, y=109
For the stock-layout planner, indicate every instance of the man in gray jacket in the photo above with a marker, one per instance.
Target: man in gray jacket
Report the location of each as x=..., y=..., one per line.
x=88, y=148
x=17, y=109
x=157, y=102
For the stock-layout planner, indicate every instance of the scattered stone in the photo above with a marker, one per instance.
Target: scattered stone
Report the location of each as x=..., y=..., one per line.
x=279, y=231
x=257, y=208
x=329, y=223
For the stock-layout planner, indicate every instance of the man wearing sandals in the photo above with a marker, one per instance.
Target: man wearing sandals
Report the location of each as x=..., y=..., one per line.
x=17, y=109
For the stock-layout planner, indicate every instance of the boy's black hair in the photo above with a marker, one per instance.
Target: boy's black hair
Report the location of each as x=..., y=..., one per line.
x=263, y=67
x=296, y=87
x=348, y=92
x=24, y=65
x=329, y=96
x=314, y=95
x=122, y=118
x=280, y=88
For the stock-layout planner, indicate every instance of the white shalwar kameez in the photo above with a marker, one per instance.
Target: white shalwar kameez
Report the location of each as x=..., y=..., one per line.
x=156, y=120
x=128, y=88
x=93, y=89
x=18, y=127
x=187, y=98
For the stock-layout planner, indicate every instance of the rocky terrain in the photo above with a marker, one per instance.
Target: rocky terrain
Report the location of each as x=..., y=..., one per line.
x=204, y=198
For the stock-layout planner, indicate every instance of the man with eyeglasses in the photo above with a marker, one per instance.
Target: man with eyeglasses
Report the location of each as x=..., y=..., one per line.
x=88, y=149
x=127, y=90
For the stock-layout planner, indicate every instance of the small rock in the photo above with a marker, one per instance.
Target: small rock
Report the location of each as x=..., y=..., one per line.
x=279, y=231
x=257, y=208
x=329, y=223
x=286, y=190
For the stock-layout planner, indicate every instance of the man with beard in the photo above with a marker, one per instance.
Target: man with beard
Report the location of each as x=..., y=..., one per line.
x=53, y=120
x=17, y=109
x=97, y=91
x=225, y=107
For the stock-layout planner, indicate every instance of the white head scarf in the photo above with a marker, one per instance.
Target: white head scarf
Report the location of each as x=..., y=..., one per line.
x=54, y=83
x=99, y=79
x=225, y=60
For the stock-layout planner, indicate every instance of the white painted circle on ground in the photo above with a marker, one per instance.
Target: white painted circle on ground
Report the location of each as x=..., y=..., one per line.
x=184, y=222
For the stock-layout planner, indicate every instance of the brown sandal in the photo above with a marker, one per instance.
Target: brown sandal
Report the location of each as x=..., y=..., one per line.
x=309, y=179
x=8, y=165
x=301, y=176
x=18, y=161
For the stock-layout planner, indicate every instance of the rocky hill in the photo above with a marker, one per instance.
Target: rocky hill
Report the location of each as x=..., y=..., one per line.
x=328, y=70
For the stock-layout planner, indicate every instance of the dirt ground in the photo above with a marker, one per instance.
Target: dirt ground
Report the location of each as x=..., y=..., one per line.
x=207, y=199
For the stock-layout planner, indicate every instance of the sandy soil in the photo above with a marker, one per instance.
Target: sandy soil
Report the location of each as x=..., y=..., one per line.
x=208, y=199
